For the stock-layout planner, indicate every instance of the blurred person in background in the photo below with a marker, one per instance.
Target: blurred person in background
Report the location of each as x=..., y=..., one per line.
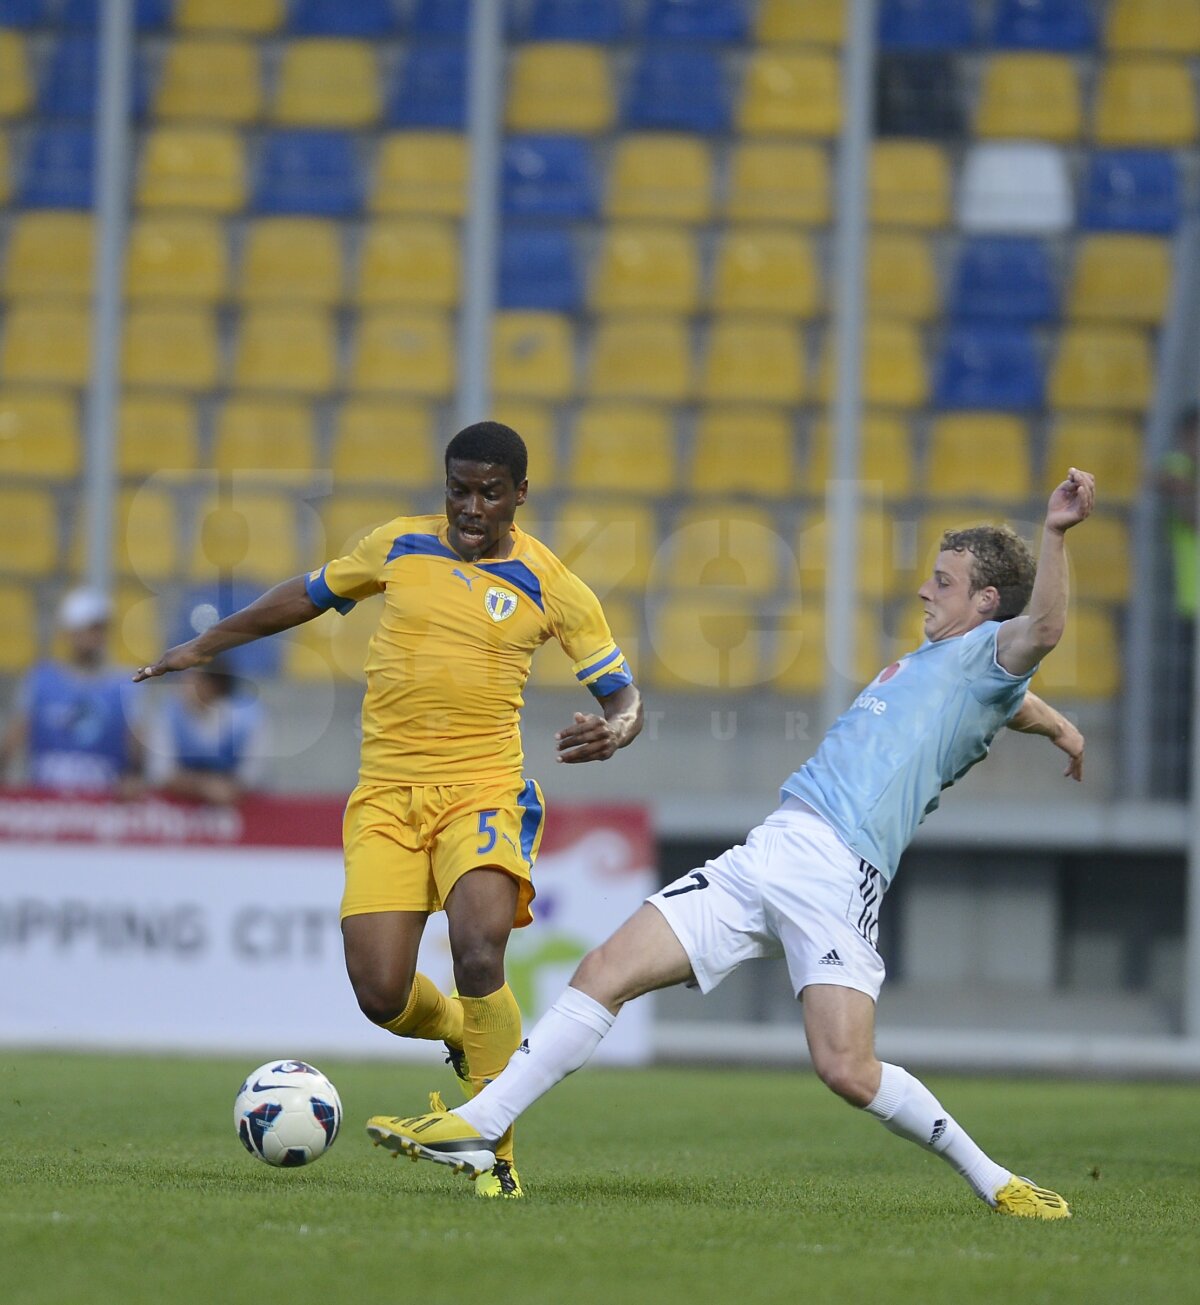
x=1177, y=485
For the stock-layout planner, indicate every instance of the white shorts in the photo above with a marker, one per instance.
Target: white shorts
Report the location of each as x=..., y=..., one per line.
x=794, y=889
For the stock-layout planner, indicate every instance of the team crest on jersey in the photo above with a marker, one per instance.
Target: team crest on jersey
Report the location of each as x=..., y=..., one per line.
x=500, y=603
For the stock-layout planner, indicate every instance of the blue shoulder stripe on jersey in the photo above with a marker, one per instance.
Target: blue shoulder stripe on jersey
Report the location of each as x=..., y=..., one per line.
x=518, y=574
x=610, y=683
x=323, y=596
x=532, y=815
x=613, y=656
x=429, y=545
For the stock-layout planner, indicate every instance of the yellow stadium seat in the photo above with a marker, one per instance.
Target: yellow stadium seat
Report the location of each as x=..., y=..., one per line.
x=533, y=355
x=623, y=447
x=801, y=661
x=5, y=180
x=349, y=518
x=49, y=256
x=292, y=349
x=1146, y=102
x=16, y=86
x=1109, y=447
x=766, y=270
x=1102, y=367
x=175, y=348
x=894, y=371
x=725, y=545
x=156, y=432
x=254, y=17
x=412, y=261
x=909, y=184
x=1121, y=278
x=901, y=278
x=608, y=544
x=707, y=644
x=28, y=532
x=212, y=81
x=250, y=536
x=753, y=360
x=327, y=83
x=1030, y=95
x=885, y=457
x=292, y=260
x=535, y=424
x=1101, y=572
x=776, y=181
x=193, y=168
x=135, y=635
x=39, y=435
x=640, y=358
x=646, y=269
x=559, y=86
x=797, y=93
x=979, y=455
x=744, y=450
x=1086, y=665
x=18, y=629
x=421, y=172
x=145, y=532
x=881, y=570
x=1154, y=26
x=814, y=22
x=46, y=343
x=264, y=438
x=403, y=352
x=660, y=178
x=385, y=442
x=177, y=257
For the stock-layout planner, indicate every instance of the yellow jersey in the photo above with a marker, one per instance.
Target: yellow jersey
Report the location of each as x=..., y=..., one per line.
x=447, y=664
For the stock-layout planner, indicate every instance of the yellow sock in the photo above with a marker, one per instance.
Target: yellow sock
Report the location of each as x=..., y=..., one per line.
x=491, y=1032
x=429, y=1014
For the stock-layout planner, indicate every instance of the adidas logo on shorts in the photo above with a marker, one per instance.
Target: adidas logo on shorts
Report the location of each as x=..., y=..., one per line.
x=831, y=958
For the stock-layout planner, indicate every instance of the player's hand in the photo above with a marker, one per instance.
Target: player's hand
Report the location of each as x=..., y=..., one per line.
x=180, y=658
x=1070, y=740
x=1072, y=501
x=587, y=738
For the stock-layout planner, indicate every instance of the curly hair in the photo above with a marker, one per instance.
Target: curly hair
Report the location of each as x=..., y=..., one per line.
x=1000, y=558
x=490, y=442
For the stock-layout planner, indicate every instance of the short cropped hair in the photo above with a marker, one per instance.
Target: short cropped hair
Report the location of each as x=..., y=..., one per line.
x=999, y=557
x=491, y=442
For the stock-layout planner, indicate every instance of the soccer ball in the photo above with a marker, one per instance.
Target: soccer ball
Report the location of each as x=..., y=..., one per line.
x=287, y=1113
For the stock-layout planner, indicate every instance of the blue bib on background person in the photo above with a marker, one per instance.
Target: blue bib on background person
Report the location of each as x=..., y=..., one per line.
x=78, y=727
x=216, y=741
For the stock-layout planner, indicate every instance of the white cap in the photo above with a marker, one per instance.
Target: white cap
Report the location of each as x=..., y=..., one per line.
x=83, y=607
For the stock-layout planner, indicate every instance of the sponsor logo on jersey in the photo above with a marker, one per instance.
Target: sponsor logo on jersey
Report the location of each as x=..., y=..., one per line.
x=869, y=702
x=500, y=603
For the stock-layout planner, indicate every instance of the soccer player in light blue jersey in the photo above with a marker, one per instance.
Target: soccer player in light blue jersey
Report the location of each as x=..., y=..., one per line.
x=809, y=881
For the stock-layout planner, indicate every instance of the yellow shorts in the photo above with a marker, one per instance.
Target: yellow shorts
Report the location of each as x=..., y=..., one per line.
x=406, y=847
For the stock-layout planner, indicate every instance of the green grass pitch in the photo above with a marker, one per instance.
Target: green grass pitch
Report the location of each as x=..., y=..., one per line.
x=121, y=1181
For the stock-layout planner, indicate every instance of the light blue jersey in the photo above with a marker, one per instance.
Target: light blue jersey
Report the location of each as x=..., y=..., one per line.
x=918, y=726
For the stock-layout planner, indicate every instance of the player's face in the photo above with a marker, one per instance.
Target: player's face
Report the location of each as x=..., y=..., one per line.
x=481, y=501
x=950, y=607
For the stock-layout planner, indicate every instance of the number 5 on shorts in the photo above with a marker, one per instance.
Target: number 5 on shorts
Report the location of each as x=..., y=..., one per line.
x=486, y=827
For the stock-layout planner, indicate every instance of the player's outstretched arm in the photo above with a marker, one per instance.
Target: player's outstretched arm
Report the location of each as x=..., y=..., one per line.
x=1037, y=717
x=595, y=738
x=281, y=608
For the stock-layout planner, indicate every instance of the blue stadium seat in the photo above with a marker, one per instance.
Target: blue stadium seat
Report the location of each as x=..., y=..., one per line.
x=58, y=168
x=1065, y=25
x=151, y=15
x=925, y=25
x=201, y=605
x=538, y=269
x=576, y=20
x=1004, y=279
x=70, y=83
x=697, y=20
x=548, y=176
x=24, y=13
x=431, y=90
x=363, y=18
x=440, y=18
x=1131, y=190
x=309, y=172
x=987, y=366
x=678, y=90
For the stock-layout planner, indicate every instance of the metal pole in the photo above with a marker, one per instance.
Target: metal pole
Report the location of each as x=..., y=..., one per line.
x=485, y=57
x=112, y=167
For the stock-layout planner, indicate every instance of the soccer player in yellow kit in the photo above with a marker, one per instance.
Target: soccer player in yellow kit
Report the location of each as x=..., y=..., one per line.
x=442, y=818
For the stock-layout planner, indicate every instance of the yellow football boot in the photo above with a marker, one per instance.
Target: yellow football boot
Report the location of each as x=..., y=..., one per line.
x=502, y=1183
x=1019, y=1197
x=439, y=1136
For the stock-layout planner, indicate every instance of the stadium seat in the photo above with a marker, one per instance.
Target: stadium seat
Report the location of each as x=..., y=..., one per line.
x=193, y=168
x=885, y=457
x=547, y=177
x=27, y=13
x=59, y=167
x=1086, y=666
x=1067, y=26
x=135, y=636
x=894, y=371
x=533, y=355
x=289, y=348
x=979, y=455
x=753, y=360
x=901, y=279
x=363, y=18
x=251, y=17
x=403, y=352
x=145, y=535
x=1108, y=446
x=1100, y=573
x=559, y=86
x=49, y=256
x=716, y=21
x=1030, y=95
x=816, y=22
x=770, y=181
x=431, y=89
x=1146, y=102
x=18, y=629
x=664, y=178
x=609, y=545
x=646, y=269
x=1003, y=280
x=640, y=358
x=1154, y=27
x=149, y=15
x=797, y=93
x=623, y=448
x=327, y=84
x=156, y=432
x=69, y=86
x=766, y=270
x=201, y=605
x=46, y=344
x=801, y=661
x=384, y=442
x=909, y=184
x=539, y=269
x=1121, y=278
x=349, y=518
x=5, y=177
x=748, y=450
x=421, y=172
x=28, y=532
x=445, y=18
x=411, y=261
x=918, y=95
x=1102, y=367
x=292, y=260
x=1015, y=188
x=210, y=80
x=39, y=435
x=537, y=426
x=16, y=85
x=701, y=645
x=881, y=574
x=722, y=544
x=599, y=21
x=1131, y=190
x=676, y=89
x=925, y=25
x=251, y=538
x=264, y=438
x=309, y=172
x=989, y=366
x=172, y=348
x=176, y=257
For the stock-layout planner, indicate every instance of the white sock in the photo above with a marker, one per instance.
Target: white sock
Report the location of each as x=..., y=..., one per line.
x=561, y=1041
x=907, y=1107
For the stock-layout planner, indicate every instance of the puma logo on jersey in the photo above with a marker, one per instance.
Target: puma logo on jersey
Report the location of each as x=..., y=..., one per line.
x=468, y=580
